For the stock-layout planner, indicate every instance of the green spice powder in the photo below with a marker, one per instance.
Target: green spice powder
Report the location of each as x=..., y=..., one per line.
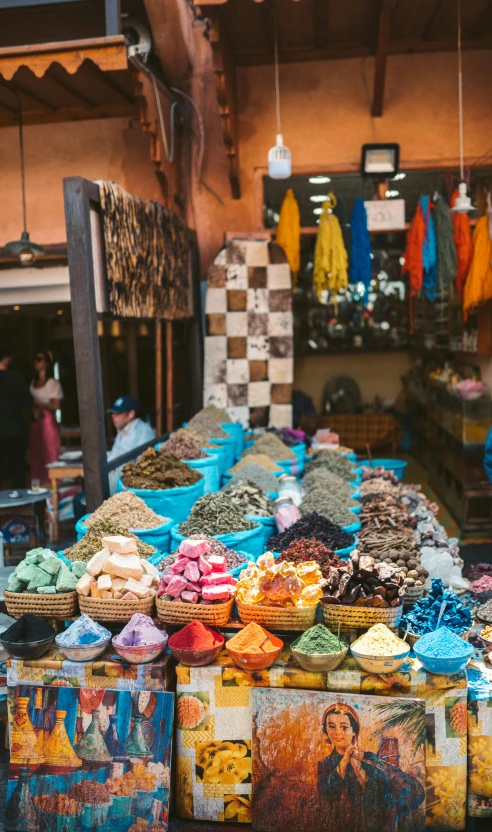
x=319, y=640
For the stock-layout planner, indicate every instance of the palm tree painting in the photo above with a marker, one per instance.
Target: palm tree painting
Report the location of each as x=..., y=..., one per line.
x=406, y=715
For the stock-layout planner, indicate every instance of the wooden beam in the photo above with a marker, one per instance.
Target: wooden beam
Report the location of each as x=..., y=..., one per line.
x=434, y=15
x=107, y=53
x=39, y=99
x=320, y=24
x=483, y=22
x=381, y=58
x=111, y=83
x=53, y=76
x=70, y=114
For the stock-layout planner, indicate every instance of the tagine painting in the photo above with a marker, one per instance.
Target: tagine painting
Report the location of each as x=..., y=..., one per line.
x=332, y=761
x=85, y=759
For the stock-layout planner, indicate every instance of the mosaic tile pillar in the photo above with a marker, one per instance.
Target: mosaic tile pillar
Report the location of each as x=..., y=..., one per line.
x=249, y=345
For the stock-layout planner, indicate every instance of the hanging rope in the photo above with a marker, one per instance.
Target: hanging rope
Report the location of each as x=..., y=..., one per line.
x=360, y=246
x=288, y=234
x=446, y=252
x=478, y=285
x=463, y=245
x=330, y=256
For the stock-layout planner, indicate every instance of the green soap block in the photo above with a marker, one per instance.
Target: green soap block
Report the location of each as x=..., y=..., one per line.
x=47, y=590
x=46, y=554
x=15, y=586
x=38, y=578
x=32, y=558
x=79, y=568
x=52, y=566
x=24, y=571
x=65, y=580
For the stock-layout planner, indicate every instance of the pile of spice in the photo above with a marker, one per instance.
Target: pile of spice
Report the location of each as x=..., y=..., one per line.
x=196, y=576
x=322, y=477
x=83, y=631
x=423, y=616
x=198, y=439
x=262, y=460
x=140, y=631
x=279, y=583
x=156, y=470
x=313, y=525
x=41, y=572
x=332, y=504
x=215, y=514
x=379, y=473
x=483, y=584
x=271, y=446
x=128, y=510
x=362, y=583
x=116, y=571
x=442, y=644
x=485, y=611
x=256, y=474
x=339, y=465
x=253, y=640
x=319, y=640
x=218, y=413
x=195, y=636
x=28, y=628
x=182, y=447
x=380, y=641
x=379, y=486
x=250, y=499
x=306, y=549
x=385, y=512
x=207, y=425
x=87, y=547
x=89, y=792
x=475, y=572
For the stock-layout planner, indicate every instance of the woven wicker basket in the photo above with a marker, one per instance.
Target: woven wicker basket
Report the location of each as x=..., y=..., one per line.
x=360, y=617
x=412, y=638
x=114, y=609
x=412, y=595
x=52, y=607
x=278, y=618
x=177, y=612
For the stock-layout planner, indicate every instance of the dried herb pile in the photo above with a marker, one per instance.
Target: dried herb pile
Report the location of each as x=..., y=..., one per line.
x=215, y=514
x=91, y=542
x=218, y=413
x=250, y=499
x=155, y=470
x=271, y=446
x=259, y=459
x=206, y=424
x=183, y=448
x=321, y=476
x=332, y=504
x=258, y=475
x=128, y=510
x=363, y=583
x=195, y=436
x=313, y=525
x=339, y=465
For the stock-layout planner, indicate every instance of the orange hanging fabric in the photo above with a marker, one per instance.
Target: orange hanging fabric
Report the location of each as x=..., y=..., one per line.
x=288, y=234
x=463, y=244
x=413, y=255
x=478, y=286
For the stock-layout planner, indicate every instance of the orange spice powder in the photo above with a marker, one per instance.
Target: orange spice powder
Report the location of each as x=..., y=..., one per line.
x=251, y=640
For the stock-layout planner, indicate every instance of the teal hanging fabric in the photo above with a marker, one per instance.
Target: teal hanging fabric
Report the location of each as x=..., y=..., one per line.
x=446, y=250
x=429, y=251
x=360, y=246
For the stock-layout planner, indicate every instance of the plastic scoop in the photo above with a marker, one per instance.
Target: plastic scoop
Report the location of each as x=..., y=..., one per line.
x=441, y=613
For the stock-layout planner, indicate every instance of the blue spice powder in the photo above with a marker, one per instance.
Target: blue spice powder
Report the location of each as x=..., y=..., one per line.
x=442, y=644
x=83, y=631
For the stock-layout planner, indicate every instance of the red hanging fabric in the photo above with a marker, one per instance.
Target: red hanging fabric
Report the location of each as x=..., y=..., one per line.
x=413, y=264
x=464, y=249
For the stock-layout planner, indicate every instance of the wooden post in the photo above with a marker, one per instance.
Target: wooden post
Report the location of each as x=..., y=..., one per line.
x=158, y=376
x=81, y=197
x=169, y=377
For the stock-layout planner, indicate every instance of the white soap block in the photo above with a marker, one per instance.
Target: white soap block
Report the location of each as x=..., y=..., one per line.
x=120, y=544
x=104, y=581
x=138, y=588
x=150, y=569
x=124, y=566
x=97, y=561
x=84, y=584
x=147, y=580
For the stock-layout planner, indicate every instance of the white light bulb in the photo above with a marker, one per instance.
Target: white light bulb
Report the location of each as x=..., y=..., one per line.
x=463, y=203
x=279, y=160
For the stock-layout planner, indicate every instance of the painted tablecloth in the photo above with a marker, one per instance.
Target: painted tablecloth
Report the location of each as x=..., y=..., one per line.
x=479, y=740
x=214, y=720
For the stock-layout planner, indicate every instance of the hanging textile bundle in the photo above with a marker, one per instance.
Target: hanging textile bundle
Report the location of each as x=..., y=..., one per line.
x=288, y=234
x=360, y=246
x=330, y=256
x=429, y=251
x=463, y=244
x=478, y=285
x=413, y=264
x=446, y=252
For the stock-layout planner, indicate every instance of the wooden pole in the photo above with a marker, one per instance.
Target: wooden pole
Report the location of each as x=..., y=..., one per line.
x=169, y=377
x=158, y=376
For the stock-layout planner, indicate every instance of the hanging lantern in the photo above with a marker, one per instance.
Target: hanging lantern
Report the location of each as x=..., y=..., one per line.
x=462, y=203
x=279, y=160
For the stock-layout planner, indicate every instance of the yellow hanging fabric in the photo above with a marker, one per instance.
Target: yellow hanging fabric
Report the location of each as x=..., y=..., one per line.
x=330, y=256
x=288, y=234
x=478, y=286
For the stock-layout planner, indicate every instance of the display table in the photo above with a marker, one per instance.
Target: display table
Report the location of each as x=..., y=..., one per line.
x=226, y=696
x=28, y=507
x=58, y=471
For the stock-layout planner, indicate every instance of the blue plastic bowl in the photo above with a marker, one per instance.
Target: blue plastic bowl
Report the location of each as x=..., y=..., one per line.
x=355, y=509
x=344, y=553
x=350, y=457
x=355, y=493
x=353, y=528
x=444, y=667
x=396, y=465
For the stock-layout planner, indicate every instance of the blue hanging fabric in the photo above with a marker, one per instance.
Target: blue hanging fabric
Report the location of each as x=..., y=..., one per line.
x=360, y=246
x=429, y=251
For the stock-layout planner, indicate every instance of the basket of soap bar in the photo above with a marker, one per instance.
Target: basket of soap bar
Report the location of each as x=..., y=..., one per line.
x=278, y=618
x=359, y=618
x=43, y=585
x=105, y=609
x=181, y=612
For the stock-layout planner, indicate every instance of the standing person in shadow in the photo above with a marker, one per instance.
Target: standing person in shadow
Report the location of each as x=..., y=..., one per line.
x=15, y=403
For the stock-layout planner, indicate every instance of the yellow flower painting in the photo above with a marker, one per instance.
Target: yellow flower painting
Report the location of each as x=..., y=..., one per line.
x=223, y=762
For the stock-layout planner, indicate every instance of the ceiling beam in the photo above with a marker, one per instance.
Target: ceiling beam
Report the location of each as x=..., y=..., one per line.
x=110, y=82
x=381, y=57
x=483, y=22
x=320, y=24
x=53, y=76
x=433, y=17
x=70, y=114
x=39, y=99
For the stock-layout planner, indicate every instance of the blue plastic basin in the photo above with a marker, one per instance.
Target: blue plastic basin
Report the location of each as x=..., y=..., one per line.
x=396, y=465
x=444, y=667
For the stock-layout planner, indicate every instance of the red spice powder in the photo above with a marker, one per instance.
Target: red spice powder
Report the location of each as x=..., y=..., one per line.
x=195, y=636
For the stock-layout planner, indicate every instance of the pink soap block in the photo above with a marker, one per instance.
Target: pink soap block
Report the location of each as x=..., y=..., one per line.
x=189, y=597
x=192, y=573
x=217, y=578
x=166, y=577
x=193, y=586
x=179, y=565
x=204, y=566
x=218, y=563
x=194, y=548
x=176, y=586
x=217, y=593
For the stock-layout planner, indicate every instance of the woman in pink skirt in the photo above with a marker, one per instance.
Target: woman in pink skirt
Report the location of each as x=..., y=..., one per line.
x=44, y=441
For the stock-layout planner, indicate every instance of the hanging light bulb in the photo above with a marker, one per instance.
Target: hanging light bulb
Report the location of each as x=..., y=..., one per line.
x=279, y=157
x=463, y=203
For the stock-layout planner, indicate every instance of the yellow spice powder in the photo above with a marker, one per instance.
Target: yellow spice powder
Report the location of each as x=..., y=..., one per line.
x=379, y=641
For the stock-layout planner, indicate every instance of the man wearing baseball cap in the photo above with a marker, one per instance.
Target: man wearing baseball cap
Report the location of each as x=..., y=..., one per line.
x=131, y=430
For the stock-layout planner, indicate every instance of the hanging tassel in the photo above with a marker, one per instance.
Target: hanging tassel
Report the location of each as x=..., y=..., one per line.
x=360, y=246
x=413, y=264
x=330, y=256
x=288, y=234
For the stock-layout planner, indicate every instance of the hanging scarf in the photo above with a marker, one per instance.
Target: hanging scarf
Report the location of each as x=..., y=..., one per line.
x=288, y=234
x=429, y=251
x=330, y=256
x=478, y=285
x=446, y=252
x=360, y=246
x=463, y=244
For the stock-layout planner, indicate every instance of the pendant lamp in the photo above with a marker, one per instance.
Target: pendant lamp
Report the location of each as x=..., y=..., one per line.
x=279, y=157
x=23, y=249
x=463, y=203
